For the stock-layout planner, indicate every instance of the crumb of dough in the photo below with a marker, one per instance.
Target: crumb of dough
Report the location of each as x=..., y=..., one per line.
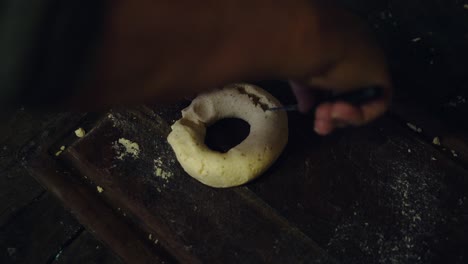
x=80, y=132
x=150, y=237
x=436, y=141
x=416, y=39
x=131, y=148
x=99, y=189
x=159, y=172
x=432, y=158
x=414, y=128
x=454, y=153
x=62, y=148
x=409, y=150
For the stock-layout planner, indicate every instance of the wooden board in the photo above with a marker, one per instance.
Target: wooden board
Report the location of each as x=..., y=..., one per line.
x=85, y=249
x=373, y=194
x=17, y=187
x=42, y=221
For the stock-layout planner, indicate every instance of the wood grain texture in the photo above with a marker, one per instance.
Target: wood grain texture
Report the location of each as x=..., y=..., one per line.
x=374, y=194
x=36, y=234
x=191, y=221
x=17, y=188
x=34, y=226
x=86, y=249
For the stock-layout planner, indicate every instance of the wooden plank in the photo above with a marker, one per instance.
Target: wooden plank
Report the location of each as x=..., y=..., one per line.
x=444, y=122
x=371, y=195
x=375, y=194
x=36, y=233
x=86, y=249
x=41, y=161
x=17, y=188
x=228, y=226
x=16, y=130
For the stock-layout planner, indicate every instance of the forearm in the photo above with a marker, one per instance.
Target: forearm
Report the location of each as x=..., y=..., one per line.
x=155, y=50
x=184, y=45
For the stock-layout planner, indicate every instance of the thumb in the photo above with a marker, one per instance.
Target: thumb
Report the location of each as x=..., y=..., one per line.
x=304, y=96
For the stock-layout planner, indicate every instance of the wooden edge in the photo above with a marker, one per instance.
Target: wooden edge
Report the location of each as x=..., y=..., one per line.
x=166, y=240
x=82, y=201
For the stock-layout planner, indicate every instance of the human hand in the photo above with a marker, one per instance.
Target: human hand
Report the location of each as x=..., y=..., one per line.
x=149, y=54
x=361, y=63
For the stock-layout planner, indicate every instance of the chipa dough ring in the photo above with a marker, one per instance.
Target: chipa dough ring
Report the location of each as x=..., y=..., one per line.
x=267, y=138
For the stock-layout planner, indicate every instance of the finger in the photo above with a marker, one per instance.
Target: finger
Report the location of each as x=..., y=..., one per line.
x=356, y=116
x=346, y=113
x=337, y=115
x=304, y=96
x=323, y=127
x=323, y=112
x=341, y=114
x=323, y=122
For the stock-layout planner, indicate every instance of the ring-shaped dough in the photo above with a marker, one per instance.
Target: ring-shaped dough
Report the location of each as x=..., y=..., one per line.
x=267, y=138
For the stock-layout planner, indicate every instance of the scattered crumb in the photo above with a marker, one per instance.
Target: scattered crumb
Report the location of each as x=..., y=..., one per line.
x=436, y=141
x=130, y=148
x=150, y=237
x=80, y=132
x=414, y=128
x=156, y=241
x=62, y=148
x=416, y=39
x=58, y=255
x=432, y=158
x=409, y=150
x=459, y=100
x=11, y=251
x=383, y=15
x=454, y=153
x=160, y=172
x=99, y=189
x=115, y=121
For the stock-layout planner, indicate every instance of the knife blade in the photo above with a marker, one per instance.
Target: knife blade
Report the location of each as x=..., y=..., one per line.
x=356, y=97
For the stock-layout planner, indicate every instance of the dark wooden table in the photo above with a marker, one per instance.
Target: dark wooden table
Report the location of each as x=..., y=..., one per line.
x=382, y=193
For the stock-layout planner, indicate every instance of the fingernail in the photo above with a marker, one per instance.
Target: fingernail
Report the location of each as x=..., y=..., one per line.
x=317, y=131
x=335, y=115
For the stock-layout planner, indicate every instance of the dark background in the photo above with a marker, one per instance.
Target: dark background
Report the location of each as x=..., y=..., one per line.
x=427, y=47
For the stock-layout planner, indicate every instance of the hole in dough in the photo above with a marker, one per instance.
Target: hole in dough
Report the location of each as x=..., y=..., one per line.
x=226, y=134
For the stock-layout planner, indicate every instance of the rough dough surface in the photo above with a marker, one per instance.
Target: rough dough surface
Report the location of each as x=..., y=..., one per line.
x=244, y=162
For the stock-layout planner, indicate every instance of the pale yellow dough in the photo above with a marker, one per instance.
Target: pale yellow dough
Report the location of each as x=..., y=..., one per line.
x=244, y=162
